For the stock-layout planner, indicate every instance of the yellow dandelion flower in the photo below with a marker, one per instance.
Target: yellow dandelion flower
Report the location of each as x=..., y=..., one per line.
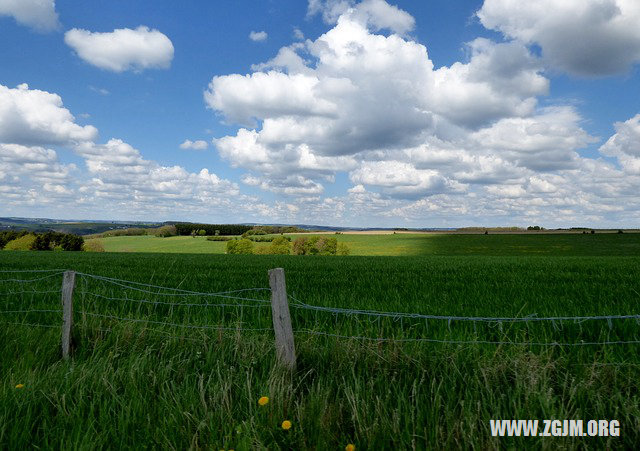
x=350, y=447
x=20, y=386
x=286, y=425
x=263, y=401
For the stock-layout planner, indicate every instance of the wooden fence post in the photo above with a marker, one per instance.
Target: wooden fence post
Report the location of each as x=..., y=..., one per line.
x=285, y=348
x=68, y=284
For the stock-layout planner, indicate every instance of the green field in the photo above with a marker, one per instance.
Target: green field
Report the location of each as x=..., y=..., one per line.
x=139, y=384
x=416, y=244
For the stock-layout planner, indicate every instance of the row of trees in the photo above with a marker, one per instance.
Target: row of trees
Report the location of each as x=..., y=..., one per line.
x=10, y=235
x=304, y=245
x=47, y=241
x=186, y=228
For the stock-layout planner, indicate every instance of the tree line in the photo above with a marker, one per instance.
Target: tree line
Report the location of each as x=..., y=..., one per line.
x=48, y=241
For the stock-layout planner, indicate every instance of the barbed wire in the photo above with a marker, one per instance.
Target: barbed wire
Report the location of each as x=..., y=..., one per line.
x=30, y=270
x=435, y=340
x=530, y=318
x=179, y=290
x=30, y=280
x=297, y=304
x=221, y=294
x=180, y=304
x=189, y=326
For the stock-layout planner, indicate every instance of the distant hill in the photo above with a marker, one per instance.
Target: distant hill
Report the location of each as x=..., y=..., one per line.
x=78, y=227
x=89, y=227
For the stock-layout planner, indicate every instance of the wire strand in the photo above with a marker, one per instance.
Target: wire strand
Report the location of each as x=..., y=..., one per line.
x=434, y=340
x=335, y=310
x=178, y=291
x=181, y=304
x=30, y=280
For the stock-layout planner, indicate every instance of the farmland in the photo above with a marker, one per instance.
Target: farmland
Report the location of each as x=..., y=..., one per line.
x=408, y=244
x=137, y=384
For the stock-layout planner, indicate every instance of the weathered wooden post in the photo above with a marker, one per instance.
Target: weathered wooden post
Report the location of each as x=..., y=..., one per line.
x=68, y=284
x=285, y=348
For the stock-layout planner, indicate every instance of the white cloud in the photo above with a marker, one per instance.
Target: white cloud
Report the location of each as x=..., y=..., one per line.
x=500, y=80
x=34, y=117
x=38, y=14
x=33, y=174
x=258, y=36
x=243, y=99
x=298, y=34
x=119, y=174
x=464, y=141
x=545, y=141
x=584, y=37
x=625, y=145
x=374, y=14
x=194, y=145
x=402, y=179
x=122, y=49
x=353, y=96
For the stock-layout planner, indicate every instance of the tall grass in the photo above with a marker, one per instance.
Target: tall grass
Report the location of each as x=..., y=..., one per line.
x=134, y=385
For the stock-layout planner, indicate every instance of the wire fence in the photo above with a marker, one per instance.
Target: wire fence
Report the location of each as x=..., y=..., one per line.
x=32, y=298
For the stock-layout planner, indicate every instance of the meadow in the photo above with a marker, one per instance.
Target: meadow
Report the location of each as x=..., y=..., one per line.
x=141, y=384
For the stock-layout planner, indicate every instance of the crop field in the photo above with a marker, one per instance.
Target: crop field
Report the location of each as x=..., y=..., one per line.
x=185, y=370
x=415, y=244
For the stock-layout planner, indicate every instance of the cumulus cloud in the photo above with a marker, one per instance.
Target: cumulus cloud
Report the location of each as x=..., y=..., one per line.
x=258, y=36
x=353, y=96
x=194, y=145
x=38, y=14
x=545, y=141
x=500, y=80
x=115, y=178
x=625, y=145
x=33, y=175
x=417, y=142
x=120, y=179
x=122, y=49
x=376, y=14
x=584, y=37
x=35, y=117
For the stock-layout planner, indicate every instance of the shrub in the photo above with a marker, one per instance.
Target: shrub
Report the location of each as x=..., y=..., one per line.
x=10, y=235
x=315, y=245
x=242, y=246
x=327, y=245
x=343, y=249
x=260, y=239
x=132, y=231
x=165, y=231
x=94, y=245
x=23, y=243
x=71, y=242
x=219, y=238
x=202, y=232
x=280, y=246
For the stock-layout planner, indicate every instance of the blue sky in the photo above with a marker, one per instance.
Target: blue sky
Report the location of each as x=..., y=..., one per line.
x=337, y=112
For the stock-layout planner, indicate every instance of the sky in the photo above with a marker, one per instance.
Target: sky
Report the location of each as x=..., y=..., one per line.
x=329, y=112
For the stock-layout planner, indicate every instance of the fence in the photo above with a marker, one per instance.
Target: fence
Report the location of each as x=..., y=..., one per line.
x=155, y=303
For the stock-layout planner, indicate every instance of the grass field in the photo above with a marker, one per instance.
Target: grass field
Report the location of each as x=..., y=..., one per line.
x=416, y=244
x=140, y=385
